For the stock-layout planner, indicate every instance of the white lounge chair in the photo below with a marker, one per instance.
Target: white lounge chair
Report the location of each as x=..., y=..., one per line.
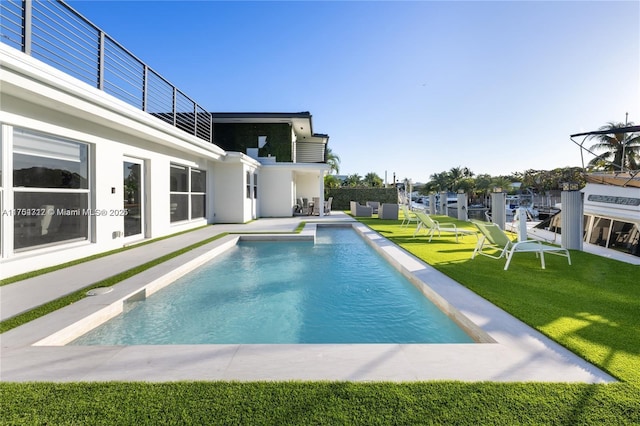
x=432, y=226
x=408, y=216
x=493, y=238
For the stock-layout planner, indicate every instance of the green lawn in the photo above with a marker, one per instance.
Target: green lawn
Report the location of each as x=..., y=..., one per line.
x=591, y=307
x=318, y=403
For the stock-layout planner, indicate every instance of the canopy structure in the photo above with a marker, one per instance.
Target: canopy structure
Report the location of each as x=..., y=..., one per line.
x=629, y=129
x=631, y=174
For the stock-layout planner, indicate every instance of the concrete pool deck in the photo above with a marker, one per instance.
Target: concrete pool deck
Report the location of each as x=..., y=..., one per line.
x=35, y=351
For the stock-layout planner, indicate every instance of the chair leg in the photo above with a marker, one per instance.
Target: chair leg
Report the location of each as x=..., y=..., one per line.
x=478, y=247
x=542, y=259
x=509, y=255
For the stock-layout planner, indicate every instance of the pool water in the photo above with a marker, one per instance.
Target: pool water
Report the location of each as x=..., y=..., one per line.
x=338, y=290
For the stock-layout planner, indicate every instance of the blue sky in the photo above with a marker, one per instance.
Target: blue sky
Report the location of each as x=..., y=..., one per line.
x=411, y=88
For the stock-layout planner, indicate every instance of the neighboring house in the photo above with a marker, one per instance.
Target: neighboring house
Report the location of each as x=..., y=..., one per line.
x=91, y=159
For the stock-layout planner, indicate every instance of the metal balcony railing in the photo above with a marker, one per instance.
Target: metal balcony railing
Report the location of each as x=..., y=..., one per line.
x=54, y=33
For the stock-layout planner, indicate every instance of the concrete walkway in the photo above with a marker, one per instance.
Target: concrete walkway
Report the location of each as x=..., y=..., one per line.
x=37, y=351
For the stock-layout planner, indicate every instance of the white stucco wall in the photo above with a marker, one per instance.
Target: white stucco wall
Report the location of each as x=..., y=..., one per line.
x=307, y=185
x=39, y=98
x=229, y=189
x=275, y=192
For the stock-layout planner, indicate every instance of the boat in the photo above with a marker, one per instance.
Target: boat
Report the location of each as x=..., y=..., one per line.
x=515, y=202
x=611, y=213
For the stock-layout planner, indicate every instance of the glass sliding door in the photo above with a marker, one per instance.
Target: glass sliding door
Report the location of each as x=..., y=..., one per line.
x=133, y=203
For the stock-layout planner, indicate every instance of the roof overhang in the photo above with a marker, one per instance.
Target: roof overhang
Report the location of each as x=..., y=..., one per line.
x=298, y=167
x=624, y=179
x=300, y=122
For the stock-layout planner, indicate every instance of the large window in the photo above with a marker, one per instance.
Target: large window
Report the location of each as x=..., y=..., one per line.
x=248, y=179
x=51, y=189
x=613, y=234
x=198, y=188
x=255, y=186
x=600, y=231
x=187, y=193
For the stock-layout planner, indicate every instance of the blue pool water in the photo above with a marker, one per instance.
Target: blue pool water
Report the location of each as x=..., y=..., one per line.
x=338, y=290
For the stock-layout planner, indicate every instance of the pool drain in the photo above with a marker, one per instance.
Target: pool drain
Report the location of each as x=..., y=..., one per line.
x=100, y=290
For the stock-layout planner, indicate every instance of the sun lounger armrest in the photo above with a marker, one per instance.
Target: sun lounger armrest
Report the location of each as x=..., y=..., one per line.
x=515, y=245
x=529, y=241
x=452, y=225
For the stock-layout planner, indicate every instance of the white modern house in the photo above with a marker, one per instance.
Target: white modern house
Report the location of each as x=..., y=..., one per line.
x=98, y=151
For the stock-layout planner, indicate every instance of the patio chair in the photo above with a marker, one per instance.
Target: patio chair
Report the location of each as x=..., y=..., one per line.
x=432, y=226
x=359, y=210
x=493, y=238
x=388, y=211
x=316, y=206
x=327, y=205
x=408, y=216
x=375, y=205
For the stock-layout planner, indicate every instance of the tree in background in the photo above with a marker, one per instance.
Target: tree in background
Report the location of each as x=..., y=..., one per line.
x=439, y=182
x=333, y=160
x=503, y=182
x=331, y=182
x=540, y=181
x=372, y=180
x=353, y=180
x=620, y=151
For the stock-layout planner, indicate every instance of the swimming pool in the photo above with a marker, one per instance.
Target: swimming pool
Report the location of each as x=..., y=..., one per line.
x=338, y=290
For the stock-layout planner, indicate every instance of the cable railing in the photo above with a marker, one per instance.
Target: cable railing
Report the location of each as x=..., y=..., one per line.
x=54, y=33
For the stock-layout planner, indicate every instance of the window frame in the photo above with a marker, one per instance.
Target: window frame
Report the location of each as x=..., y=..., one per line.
x=49, y=216
x=188, y=195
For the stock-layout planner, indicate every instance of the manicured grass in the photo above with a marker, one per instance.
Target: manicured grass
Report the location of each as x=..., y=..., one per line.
x=319, y=403
x=591, y=307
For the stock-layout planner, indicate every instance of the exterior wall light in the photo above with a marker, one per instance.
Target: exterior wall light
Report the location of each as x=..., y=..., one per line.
x=570, y=186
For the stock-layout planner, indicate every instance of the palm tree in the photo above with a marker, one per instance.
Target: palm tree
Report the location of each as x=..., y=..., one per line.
x=501, y=182
x=459, y=178
x=331, y=182
x=353, y=180
x=621, y=151
x=372, y=180
x=333, y=161
x=439, y=181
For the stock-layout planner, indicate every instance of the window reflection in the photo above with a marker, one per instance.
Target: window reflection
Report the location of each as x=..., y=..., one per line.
x=54, y=207
x=44, y=218
x=187, y=193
